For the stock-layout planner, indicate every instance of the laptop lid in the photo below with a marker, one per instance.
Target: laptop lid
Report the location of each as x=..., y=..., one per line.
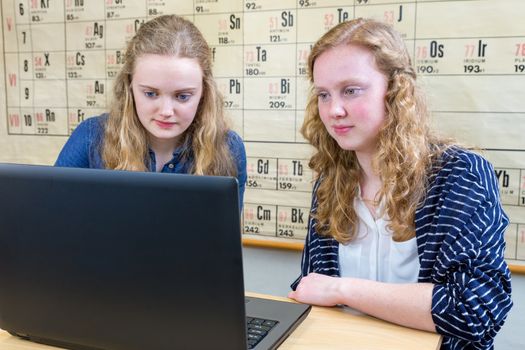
x=124, y=260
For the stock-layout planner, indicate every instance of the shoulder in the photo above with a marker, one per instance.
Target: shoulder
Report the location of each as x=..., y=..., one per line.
x=457, y=156
x=82, y=147
x=462, y=179
x=235, y=143
x=91, y=127
x=233, y=138
x=90, y=131
x=460, y=164
x=97, y=122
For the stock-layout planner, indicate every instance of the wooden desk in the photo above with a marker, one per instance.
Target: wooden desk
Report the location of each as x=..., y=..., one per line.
x=324, y=328
x=343, y=328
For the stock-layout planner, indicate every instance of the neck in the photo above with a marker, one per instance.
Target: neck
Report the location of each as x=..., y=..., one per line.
x=163, y=147
x=370, y=180
x=365, y=162
x=163, y=150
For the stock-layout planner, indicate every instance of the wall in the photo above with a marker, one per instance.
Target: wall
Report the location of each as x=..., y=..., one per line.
x=58, y=61
x=484, y=118
x=271, y=271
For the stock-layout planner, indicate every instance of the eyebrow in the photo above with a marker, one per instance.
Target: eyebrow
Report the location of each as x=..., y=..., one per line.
x=343, y=83
x=190, y=89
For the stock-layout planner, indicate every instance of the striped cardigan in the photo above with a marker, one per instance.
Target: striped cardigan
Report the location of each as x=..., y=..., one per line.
x=459, y=233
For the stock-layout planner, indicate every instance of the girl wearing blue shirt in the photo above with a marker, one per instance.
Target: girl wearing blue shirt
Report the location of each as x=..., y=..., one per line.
x=404, y=226
x=166, y=114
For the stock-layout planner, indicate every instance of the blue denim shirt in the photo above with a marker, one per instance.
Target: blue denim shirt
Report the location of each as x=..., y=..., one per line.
x=82, y=150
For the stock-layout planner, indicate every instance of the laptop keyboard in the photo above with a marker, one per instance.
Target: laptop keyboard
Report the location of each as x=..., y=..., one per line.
x=257, y=329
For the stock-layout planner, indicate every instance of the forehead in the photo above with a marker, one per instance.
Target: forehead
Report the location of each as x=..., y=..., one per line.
x=346, y=61
x=166, y=63
x=160, y=69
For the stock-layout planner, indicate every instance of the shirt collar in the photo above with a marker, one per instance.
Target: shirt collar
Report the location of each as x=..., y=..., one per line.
x=177, y=153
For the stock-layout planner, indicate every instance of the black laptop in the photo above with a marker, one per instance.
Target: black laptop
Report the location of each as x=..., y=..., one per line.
x=97, y=259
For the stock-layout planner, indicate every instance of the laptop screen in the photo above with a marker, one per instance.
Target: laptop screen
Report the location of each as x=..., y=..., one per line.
x=114, y=259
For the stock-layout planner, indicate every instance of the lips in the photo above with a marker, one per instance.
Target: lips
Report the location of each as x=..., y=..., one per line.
x=164, y=125
x=341, y=129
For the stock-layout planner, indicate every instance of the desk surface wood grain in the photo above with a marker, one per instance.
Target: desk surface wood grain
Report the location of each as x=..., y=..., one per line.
x=324, y=328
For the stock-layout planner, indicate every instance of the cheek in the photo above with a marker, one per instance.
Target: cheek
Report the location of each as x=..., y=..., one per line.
x=360, y=110
x=191, y=108
x=140, y=103
x=371, y=112
x=323, y=113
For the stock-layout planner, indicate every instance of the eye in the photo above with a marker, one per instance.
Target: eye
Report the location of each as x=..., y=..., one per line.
x=322, y=96
x=351, y=91
x=183, y=97
x=150, y=94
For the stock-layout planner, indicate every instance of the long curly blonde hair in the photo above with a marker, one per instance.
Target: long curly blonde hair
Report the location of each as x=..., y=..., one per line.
x=406, y=146
x=125, y=145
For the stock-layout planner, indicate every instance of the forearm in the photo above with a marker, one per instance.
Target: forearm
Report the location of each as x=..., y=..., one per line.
x=405, y=304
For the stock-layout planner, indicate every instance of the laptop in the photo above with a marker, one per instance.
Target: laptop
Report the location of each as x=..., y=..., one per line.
x=98, y=259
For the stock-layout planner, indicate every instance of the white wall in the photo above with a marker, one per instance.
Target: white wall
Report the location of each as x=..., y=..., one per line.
x=271, y=271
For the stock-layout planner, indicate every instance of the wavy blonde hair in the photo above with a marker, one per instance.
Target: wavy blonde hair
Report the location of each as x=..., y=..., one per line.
x=125, y=145
x=406, y=147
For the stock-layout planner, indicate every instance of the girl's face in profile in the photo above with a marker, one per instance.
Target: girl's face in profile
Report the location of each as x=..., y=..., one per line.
x=351, y=96
x=167, y=91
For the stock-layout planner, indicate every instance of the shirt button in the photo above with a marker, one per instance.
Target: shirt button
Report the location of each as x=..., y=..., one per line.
x=171, y=166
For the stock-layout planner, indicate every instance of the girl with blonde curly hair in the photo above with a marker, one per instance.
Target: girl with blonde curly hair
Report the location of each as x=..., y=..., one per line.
x=404, y=226
x=166, y=114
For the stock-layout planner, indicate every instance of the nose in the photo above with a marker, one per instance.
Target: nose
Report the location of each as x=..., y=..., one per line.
x=167, y=106
x=337, y=109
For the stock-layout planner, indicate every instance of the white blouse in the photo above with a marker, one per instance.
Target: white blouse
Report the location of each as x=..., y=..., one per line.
x=373, y=255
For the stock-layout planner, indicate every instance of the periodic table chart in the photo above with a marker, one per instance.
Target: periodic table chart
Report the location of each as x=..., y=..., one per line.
x=59, y=60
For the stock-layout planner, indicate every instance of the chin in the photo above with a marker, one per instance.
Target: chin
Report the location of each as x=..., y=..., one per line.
x=163, y=135
x=346, y=146
x=168, y=137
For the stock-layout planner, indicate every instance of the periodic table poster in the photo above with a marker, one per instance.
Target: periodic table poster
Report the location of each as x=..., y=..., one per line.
x=59, y=59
